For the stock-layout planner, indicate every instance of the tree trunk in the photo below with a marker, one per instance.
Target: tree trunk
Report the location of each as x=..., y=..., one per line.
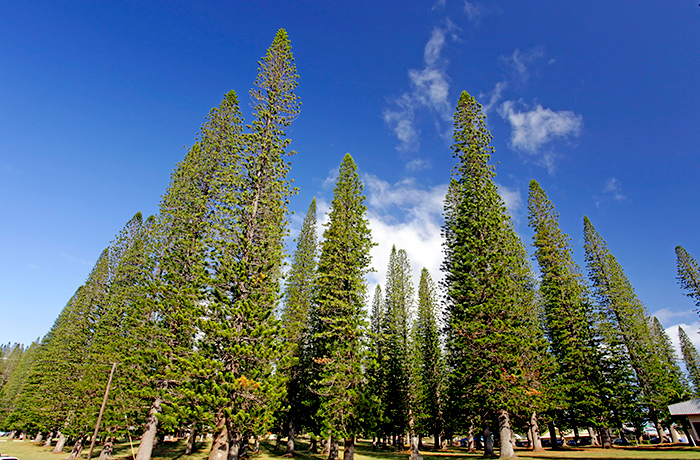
x=535, y=434
x=688, y=432
x=235, y=444
x=256, y=446
x=659, y=428
x=191, y=439
x=49, y=438
x=313, y=445
x=505, y=432
x=77, y=448
x=349, y=448
x=488, y=443
x=219, y=447
x=327, y=446
x=552, y=435
x=436, y=440
x=149, y=432
x=332, y=449
x=674, y=434
x=107, y=448
x=605, y=438
x=594, y=436
x=290, y=438
x=13, y=433
x=60, y=443
x=38, y=437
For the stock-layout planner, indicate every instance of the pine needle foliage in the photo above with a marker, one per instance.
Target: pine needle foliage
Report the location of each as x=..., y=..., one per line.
x=488, y=326
x=628, y=319
x=569, y=316
x=691, y=359
x=688, y=274
x=339, y=305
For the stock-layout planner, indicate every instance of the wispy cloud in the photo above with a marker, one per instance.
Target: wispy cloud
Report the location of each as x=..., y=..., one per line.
x=418, y=165
x=518, y=62
x=429, y=91
x=474, y=12
x=614, y=189
x=72, y=258
x=494, y=96
x=439, y=4
x=533, y=128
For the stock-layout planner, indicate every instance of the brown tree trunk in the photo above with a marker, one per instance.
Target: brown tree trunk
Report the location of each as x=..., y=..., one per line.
x=313, y=445
x=38, y=437
x=674, y=434
x=605, y=438
x=536, y=440
x=505, y=432
x=77, y=448
x=106, y=452
x=149, y=432
x=12, y=435
x=236, y=446
x=191, y=439
x=49, y=438
x=220, y=447
x=349, y=448
x=290, y=438
x=594, y=436
x=332, y=449
x=660, y=429
x=60, y=443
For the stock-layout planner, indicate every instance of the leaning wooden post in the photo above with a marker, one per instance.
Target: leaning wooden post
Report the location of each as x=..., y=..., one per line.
x=102, y=410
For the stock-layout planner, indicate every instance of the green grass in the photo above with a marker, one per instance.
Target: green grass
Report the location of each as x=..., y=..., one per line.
x=27, y=450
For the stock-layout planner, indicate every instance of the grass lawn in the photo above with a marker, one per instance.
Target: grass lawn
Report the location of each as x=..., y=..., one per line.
x=27, y=450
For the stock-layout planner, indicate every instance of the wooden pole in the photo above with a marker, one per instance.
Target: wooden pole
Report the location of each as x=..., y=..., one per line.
x=102, y=410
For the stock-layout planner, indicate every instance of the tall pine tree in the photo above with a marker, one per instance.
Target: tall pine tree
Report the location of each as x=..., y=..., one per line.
x=691, y=359
x=339, y=309
x=569, y=316
x=488, y=326
x=298, y=296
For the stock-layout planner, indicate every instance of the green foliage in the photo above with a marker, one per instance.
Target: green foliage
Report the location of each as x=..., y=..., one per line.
x=691, y=359
x=688, y=274
x=569, y=316
x=627, y=324
x=488, y=286
x=17, y=365
x=395, y=364
x=298, y=297
x=428, y=358
x=339, y=304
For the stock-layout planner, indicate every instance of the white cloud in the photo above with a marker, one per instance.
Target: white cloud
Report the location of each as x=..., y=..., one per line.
x=513, y=200
x=408, y=217
x=693, y=331
x=666, y=316
x=417, y=165
x=518, y=62
x=429, y=90
x=474, y=12
x=534, y=128
x=439, y=4
x=614, y=189
x=494, y=96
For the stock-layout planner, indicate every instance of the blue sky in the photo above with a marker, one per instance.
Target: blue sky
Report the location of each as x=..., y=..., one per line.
x=598, y=101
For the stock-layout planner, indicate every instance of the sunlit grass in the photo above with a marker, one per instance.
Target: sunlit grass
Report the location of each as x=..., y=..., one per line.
x=27, y=450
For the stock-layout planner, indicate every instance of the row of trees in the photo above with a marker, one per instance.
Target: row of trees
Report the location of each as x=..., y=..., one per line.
x=209, y=337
